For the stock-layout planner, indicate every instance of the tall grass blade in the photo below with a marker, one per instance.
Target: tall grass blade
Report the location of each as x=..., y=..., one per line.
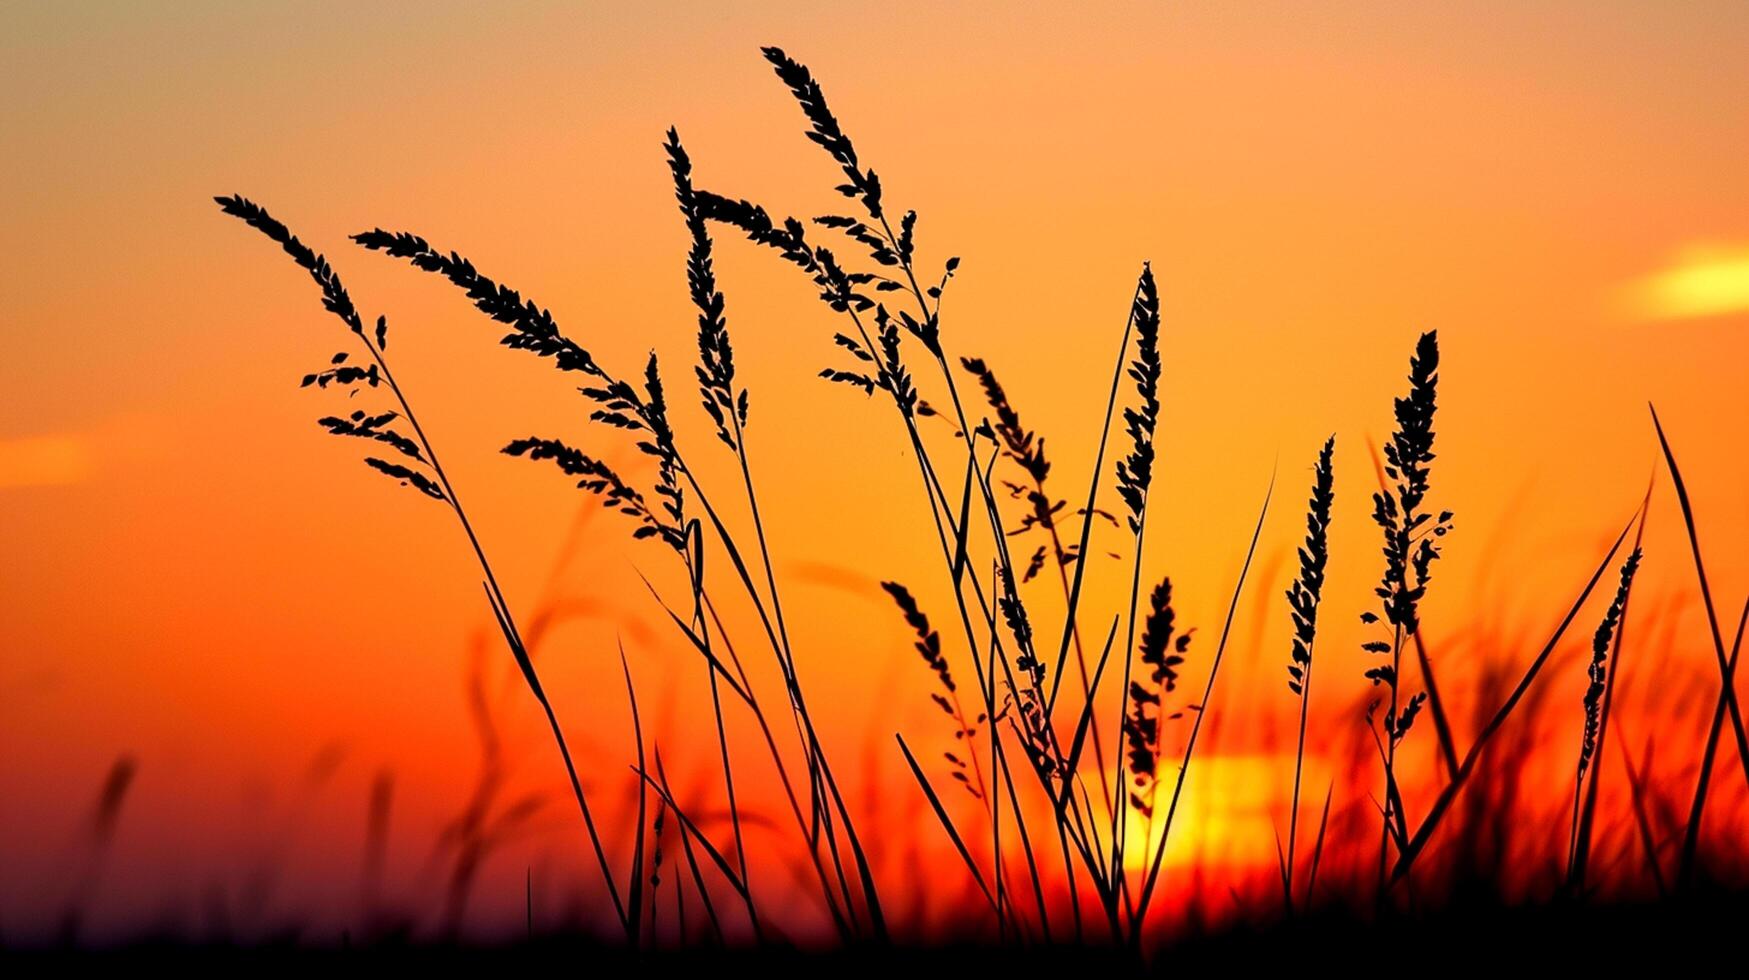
x=1139, y=916
x=1588, y=819
x=1691, y=835
x=947, y=825
x=1418, y=841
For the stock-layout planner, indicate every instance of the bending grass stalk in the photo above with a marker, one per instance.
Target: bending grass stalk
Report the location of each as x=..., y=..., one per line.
x=717, y=390
x=1140, y=914
x=783, y=776
x=870, y=897
x=1418, y=841
x=820, y=772
x=536, y=332
x=1691, y=835
x=819, y=768
x=659, y=783
x=695, y=562
x=1727, y=668
x=757, y=224
x=844, y=925
x=938, y=504
x=716, y=374
x=508, y=627
x=339, y=303
x=1588, y=818
x=865, y=187
x=729, y=787
x=947, y=825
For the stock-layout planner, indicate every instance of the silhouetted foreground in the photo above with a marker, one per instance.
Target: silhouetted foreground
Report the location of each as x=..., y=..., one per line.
x=1075, y=776
x=1481, y=938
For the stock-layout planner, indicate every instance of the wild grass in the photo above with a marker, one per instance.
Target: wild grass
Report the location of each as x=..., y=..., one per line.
x=1411, y=546
x=1043, y=514
x=1597, y=675
x=420, y=470
x=1727, y=701
x=1093, y=844
x=622, y=406
x=1304, y=598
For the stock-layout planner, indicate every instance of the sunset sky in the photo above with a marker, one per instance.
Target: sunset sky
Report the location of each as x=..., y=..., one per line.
x=202, y=580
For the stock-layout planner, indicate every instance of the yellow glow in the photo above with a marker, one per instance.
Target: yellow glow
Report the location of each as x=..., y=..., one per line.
x=1230, y=812
x=1702, y=282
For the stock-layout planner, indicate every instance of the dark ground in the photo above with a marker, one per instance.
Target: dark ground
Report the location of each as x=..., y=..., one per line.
x=1698, y=935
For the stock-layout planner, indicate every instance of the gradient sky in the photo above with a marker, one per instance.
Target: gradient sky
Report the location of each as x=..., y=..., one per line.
x=199, y=577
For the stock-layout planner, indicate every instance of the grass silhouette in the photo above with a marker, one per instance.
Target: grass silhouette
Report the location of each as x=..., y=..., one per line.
x=1093, y=843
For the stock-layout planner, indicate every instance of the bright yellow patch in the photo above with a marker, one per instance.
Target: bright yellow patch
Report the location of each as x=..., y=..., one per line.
x=1232, y=808
x=1704, y=281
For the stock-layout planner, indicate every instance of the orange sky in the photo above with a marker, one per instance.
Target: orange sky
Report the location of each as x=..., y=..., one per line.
x=201, y=578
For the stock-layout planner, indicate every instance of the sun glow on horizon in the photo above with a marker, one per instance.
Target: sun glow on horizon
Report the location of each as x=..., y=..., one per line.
x=1232, y=810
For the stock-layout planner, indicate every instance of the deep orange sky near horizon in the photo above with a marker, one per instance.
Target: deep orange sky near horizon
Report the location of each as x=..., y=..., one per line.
x=199, y=577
